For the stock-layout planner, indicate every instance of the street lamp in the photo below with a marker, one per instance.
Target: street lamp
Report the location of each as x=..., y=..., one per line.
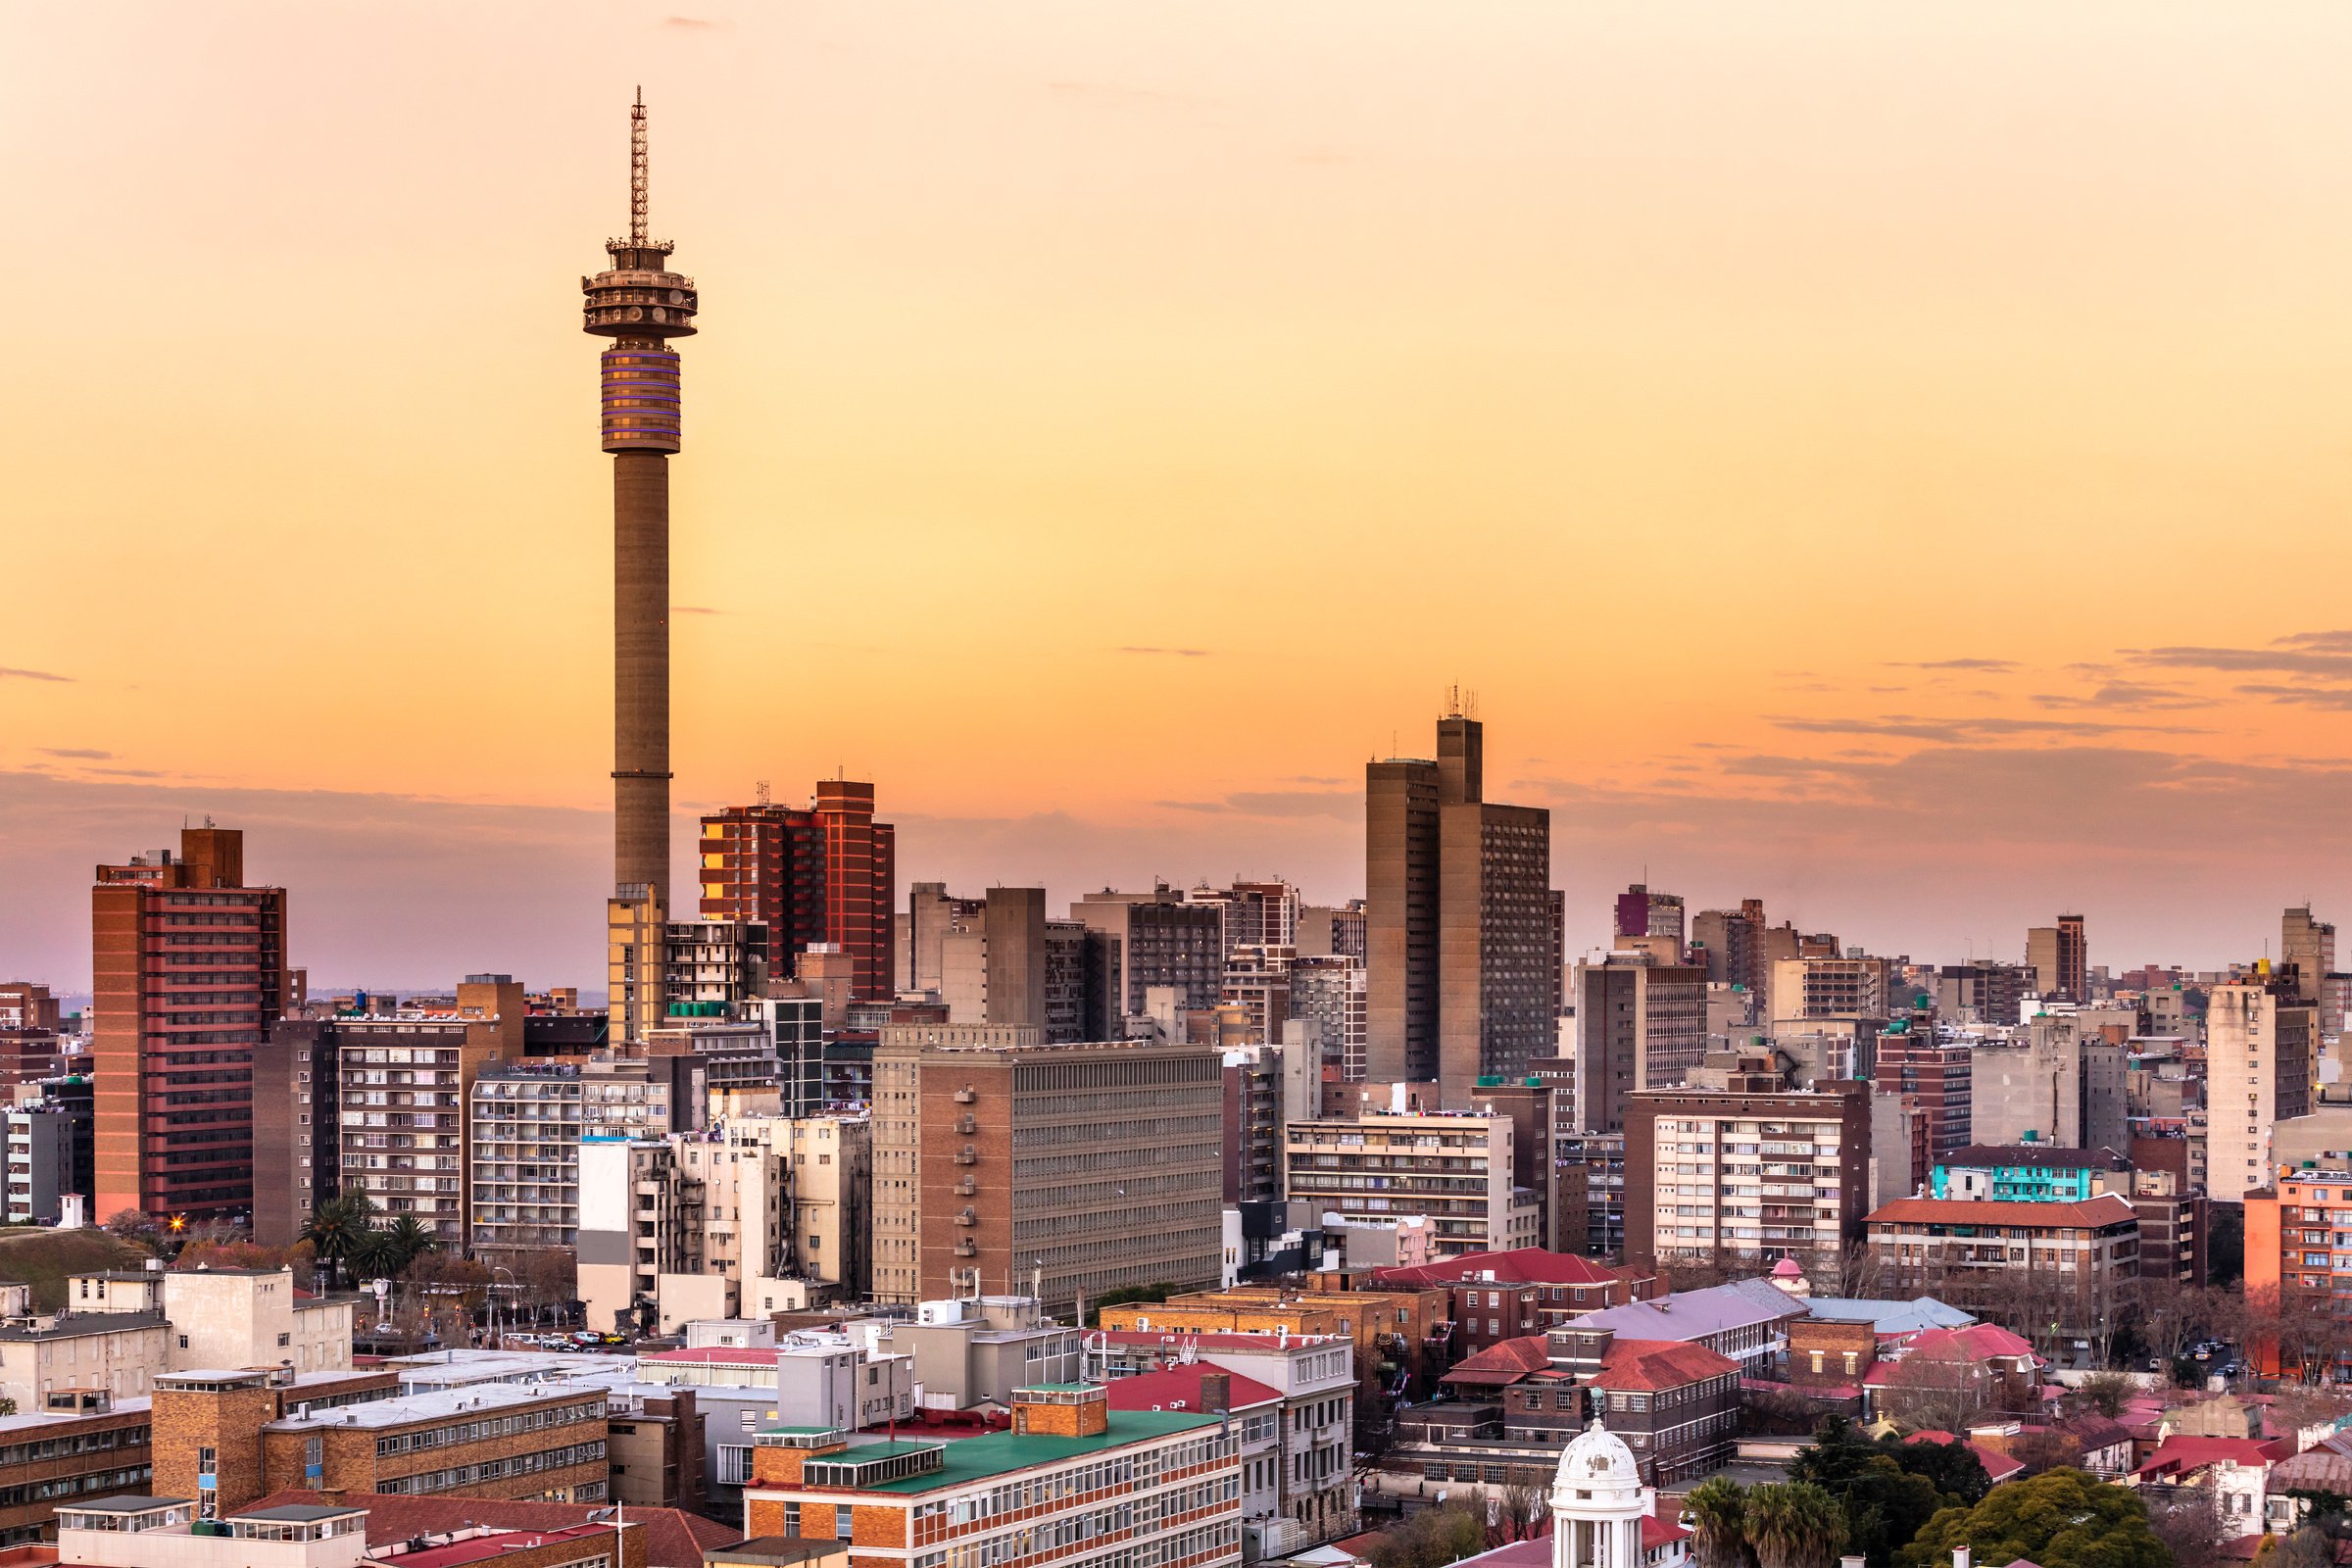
x=498, y=1343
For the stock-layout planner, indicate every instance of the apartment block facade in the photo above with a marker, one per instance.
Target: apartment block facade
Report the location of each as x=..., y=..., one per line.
x=1746, y=1168
x=190, y=969
x=1080, y=1167
x=1454, y=1169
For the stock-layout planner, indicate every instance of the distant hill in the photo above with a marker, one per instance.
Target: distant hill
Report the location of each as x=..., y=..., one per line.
x=42, y=1258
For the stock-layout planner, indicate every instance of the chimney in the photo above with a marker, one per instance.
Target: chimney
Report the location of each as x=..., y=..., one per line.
x=1216, y=1392
x=1960, y=1556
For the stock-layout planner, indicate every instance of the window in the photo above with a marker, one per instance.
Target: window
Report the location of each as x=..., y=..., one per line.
x=284, y=1340
x=735, y=1466
x=183, y=1341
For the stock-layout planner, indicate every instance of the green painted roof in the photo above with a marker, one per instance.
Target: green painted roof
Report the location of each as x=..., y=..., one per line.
x=964, y=1460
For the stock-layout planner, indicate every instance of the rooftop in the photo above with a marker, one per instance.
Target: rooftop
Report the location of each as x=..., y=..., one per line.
x=1178, y=1388
x=673, y=1540
x=298, y=1513
x=972, y=1459
x=134, y=1503
x=82, y=1326
x=440, y=1404
x=2105, y=1209
x=1522, y=1265
x=2033, y=1156
x=1888, y=1318
x=1689, y=1314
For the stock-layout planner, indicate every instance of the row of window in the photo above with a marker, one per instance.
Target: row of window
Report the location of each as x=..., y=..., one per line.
x=491, y=1427
x=465, y=1475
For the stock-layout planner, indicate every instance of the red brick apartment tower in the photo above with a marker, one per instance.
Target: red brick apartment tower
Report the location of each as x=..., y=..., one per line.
x=190, y=973
x=821, y=874
x=860, y=873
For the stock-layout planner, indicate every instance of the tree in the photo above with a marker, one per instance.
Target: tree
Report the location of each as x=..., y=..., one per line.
x=130, y=1225
x=1718, y=1513
x=1515, y=1510
x=409, y=1239
x=1888, y=1490
x=335, y=1229
x=1794, y=1524
x=1952, y=1467
x=2186, y=1523
x=1430, y=1538
x=2107, y=1392
x=2225, y=1245
x=2064, y=1519
x=1121, y=1296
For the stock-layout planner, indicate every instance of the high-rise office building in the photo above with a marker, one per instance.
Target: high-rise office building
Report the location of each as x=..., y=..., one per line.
x=1328, y=930
x=2306, y=958
x=190, y=973
x=2060, y=962
x=999, y=1161
x=1639, y=1024
x=1256, y=913
x=821, y=874
x=1729, y=944
x=932, y=916
x=1461, y=921
x=1642, y=912
x=2261, y=1058
x=1155, y=938
x=1330, y=996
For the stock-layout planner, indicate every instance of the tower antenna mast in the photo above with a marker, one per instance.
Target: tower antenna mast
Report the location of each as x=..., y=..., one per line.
x=639, y=232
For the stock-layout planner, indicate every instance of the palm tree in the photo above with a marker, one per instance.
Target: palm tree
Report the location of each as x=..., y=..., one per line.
x=1718, y=1514
x=409, y=1238
x=1794, y=1524
x=373, y=1254
x=336, y=1227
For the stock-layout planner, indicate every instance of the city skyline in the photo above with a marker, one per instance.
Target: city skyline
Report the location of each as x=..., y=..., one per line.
x=1674, y=379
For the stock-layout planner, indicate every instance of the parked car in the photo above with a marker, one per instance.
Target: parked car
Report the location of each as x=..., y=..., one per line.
x=2230, y=1369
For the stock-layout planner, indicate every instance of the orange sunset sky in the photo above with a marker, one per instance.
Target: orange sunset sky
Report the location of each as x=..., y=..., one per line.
x=1888, y=458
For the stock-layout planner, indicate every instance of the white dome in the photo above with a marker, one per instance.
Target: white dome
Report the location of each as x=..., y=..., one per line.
x=1597, y=1459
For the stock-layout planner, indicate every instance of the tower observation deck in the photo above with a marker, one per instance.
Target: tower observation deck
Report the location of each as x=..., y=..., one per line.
x=640, y=303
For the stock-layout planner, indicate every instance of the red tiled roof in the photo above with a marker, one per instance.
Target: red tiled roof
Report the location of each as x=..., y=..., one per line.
x=1657, y=1532
x=1521, y=1265
x=2105, y=1209
x=673, y=1539
x=2181, y=1455
x=1978, y=1342
x=1213, y=1340
x=498, y=1546
x=1503, y=1363
x=1178, y=1388
x=1650, y=1364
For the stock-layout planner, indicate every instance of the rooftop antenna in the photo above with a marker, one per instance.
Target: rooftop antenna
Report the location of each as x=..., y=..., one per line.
x=760, y=792
x=637, y=171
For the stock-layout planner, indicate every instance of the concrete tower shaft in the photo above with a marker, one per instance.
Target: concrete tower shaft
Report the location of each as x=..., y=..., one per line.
x=640, y=303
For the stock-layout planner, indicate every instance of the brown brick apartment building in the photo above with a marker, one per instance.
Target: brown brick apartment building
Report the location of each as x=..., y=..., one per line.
x=1088, y=1167
x=189, y=970
x=85, y=1445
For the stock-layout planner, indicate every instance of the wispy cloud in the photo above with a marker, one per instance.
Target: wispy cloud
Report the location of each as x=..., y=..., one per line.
x=1277, y=803
x=692, y=24
x=2330, y=641
x=1168, y=653
x=1990, y=667
x=78, y=751
x=6, y=674
x=2301, y=661
x=2126, y=695
x=2335, y=699
x=1952, y=731
x=695, y=610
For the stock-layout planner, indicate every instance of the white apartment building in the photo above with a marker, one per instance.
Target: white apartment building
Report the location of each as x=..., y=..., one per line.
x=1450, y=1168
x=2261, y=1063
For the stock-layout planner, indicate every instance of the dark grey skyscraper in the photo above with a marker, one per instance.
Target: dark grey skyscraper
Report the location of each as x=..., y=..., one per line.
x=1458, y=920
